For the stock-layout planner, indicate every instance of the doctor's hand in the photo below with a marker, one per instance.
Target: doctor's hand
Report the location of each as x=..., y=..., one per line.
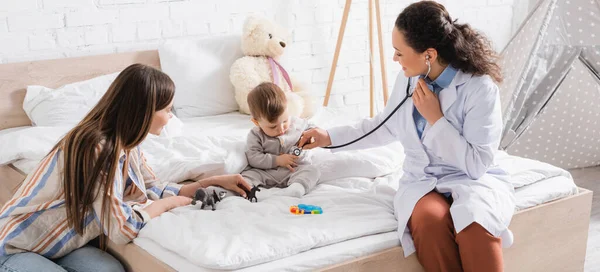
x=314, y=137
x=427, y=103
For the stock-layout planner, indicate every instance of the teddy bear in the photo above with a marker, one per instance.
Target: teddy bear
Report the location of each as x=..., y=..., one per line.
x=263, y=43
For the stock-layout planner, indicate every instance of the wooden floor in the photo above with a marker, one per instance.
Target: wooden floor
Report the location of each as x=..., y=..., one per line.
x=589, y=178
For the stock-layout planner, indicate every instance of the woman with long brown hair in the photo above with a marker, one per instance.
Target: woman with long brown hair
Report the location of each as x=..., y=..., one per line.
x=453, y=204
x=95, y=183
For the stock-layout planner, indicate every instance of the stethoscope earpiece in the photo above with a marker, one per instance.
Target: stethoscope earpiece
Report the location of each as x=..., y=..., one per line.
x=428, y=65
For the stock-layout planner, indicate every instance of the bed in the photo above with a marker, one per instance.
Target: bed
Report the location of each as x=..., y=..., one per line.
x=550, y=228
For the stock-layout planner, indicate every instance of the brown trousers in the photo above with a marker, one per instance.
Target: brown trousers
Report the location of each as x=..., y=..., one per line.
x=438, y=246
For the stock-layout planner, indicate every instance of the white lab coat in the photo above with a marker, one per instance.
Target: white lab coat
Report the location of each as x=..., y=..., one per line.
x=454, y=155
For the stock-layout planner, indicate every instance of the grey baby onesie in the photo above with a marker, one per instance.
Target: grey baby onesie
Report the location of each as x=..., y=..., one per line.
x=262, y=150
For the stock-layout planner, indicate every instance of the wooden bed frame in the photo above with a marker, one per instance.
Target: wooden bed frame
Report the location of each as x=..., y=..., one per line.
x=548, y=237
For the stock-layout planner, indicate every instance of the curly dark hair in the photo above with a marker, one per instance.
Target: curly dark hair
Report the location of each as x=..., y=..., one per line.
x=427, y=24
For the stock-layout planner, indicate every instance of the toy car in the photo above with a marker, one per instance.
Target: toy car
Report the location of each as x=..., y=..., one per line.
x=306, y=209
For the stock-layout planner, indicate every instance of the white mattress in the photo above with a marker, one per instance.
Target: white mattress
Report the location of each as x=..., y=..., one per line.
x=305, y=261
x=25, y=165
x=544, y=191
x=530, y=192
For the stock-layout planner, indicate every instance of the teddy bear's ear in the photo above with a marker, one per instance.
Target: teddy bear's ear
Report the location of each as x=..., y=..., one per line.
x=250, y=24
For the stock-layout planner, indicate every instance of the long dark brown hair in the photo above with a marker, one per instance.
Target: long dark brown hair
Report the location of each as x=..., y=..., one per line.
x=427, y=24
x=119, y=122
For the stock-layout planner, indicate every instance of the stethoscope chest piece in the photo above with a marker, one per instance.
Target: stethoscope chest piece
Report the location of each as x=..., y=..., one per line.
x=296, y=151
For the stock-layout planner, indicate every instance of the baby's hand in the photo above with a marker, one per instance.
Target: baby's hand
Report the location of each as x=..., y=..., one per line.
x=287, y=160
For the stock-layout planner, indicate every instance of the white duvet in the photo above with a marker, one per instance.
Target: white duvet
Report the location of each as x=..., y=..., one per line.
x=192, y=157
x=240, y=234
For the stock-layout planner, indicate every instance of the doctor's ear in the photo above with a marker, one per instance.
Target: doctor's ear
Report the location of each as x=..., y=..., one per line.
x=430, y=55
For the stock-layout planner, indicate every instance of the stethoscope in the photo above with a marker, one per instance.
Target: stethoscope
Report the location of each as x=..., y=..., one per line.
x=408, y=95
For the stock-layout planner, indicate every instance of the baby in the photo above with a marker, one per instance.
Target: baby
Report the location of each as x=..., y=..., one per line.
x=272, y=143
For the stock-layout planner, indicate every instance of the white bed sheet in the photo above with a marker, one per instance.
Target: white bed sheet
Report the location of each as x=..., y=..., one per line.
x=318, y=258
x=544, y=191
x=531, y=190
x=526, y=196
x=232, y=124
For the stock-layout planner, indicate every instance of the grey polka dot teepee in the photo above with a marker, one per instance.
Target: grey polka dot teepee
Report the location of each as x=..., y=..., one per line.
x=551, y=90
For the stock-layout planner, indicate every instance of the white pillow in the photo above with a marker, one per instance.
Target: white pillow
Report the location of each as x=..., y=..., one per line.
x=29, y=143
x=173, y=128
x=66, y=105
x=200, y=70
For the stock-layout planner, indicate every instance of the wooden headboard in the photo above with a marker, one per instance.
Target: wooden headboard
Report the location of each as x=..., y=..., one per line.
x=15, y=77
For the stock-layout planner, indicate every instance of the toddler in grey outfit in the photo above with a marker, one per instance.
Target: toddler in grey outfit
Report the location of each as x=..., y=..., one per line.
x=270, y=146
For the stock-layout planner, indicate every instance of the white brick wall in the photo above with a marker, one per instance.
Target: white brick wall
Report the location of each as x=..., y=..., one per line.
x=90, y=17
x=96, y=35
x=35, y=20
x=43, y=29
x=17, y=5
x=43, y=41
x=3, y=25
x=61, y=4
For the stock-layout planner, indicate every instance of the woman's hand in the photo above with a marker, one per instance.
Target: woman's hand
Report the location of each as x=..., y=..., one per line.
x=314, y=137
x=234, y=183
x=427, y=103
x=166, y=204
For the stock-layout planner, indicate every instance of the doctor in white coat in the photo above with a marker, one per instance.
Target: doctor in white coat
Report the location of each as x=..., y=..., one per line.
x=453, y=204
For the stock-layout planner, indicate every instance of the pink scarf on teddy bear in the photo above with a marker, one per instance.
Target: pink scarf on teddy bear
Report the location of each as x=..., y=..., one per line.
x=274, y=65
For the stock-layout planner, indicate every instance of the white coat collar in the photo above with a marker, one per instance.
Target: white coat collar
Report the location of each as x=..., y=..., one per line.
x=448, y=95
